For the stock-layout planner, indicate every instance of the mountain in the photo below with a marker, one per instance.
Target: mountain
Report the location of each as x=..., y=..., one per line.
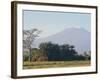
x=78, y=37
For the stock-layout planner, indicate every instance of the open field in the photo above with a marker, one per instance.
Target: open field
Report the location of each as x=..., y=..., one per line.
x=52, y=64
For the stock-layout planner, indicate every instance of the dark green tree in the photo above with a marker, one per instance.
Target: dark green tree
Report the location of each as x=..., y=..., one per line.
x=57, y=52
x=68, y=52
x=52, y=50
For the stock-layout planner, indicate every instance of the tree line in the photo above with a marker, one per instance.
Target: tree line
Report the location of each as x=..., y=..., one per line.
x=49, y=51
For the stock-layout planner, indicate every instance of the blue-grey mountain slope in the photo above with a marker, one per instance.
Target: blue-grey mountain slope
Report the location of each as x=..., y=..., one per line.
x=78, y=37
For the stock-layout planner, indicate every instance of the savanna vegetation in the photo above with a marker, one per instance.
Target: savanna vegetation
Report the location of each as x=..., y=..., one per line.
x=50, y=54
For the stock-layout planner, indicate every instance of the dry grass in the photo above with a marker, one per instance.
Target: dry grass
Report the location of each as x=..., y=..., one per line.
x=52, y=64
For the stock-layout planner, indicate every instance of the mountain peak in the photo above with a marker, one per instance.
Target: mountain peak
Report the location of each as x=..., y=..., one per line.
x=78, y=37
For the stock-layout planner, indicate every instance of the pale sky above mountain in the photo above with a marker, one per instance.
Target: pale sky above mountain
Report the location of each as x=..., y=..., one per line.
x=53, y=22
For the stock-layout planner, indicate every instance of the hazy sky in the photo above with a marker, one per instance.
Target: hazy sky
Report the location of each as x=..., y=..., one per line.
x=53, y=22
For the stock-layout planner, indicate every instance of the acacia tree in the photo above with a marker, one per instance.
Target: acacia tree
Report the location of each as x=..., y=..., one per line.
x=28, y=39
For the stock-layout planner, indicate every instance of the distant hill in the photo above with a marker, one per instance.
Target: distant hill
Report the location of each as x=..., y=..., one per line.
x=78, y=37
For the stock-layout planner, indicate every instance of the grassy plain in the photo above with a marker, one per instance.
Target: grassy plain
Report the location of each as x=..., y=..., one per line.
x=52, y=64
